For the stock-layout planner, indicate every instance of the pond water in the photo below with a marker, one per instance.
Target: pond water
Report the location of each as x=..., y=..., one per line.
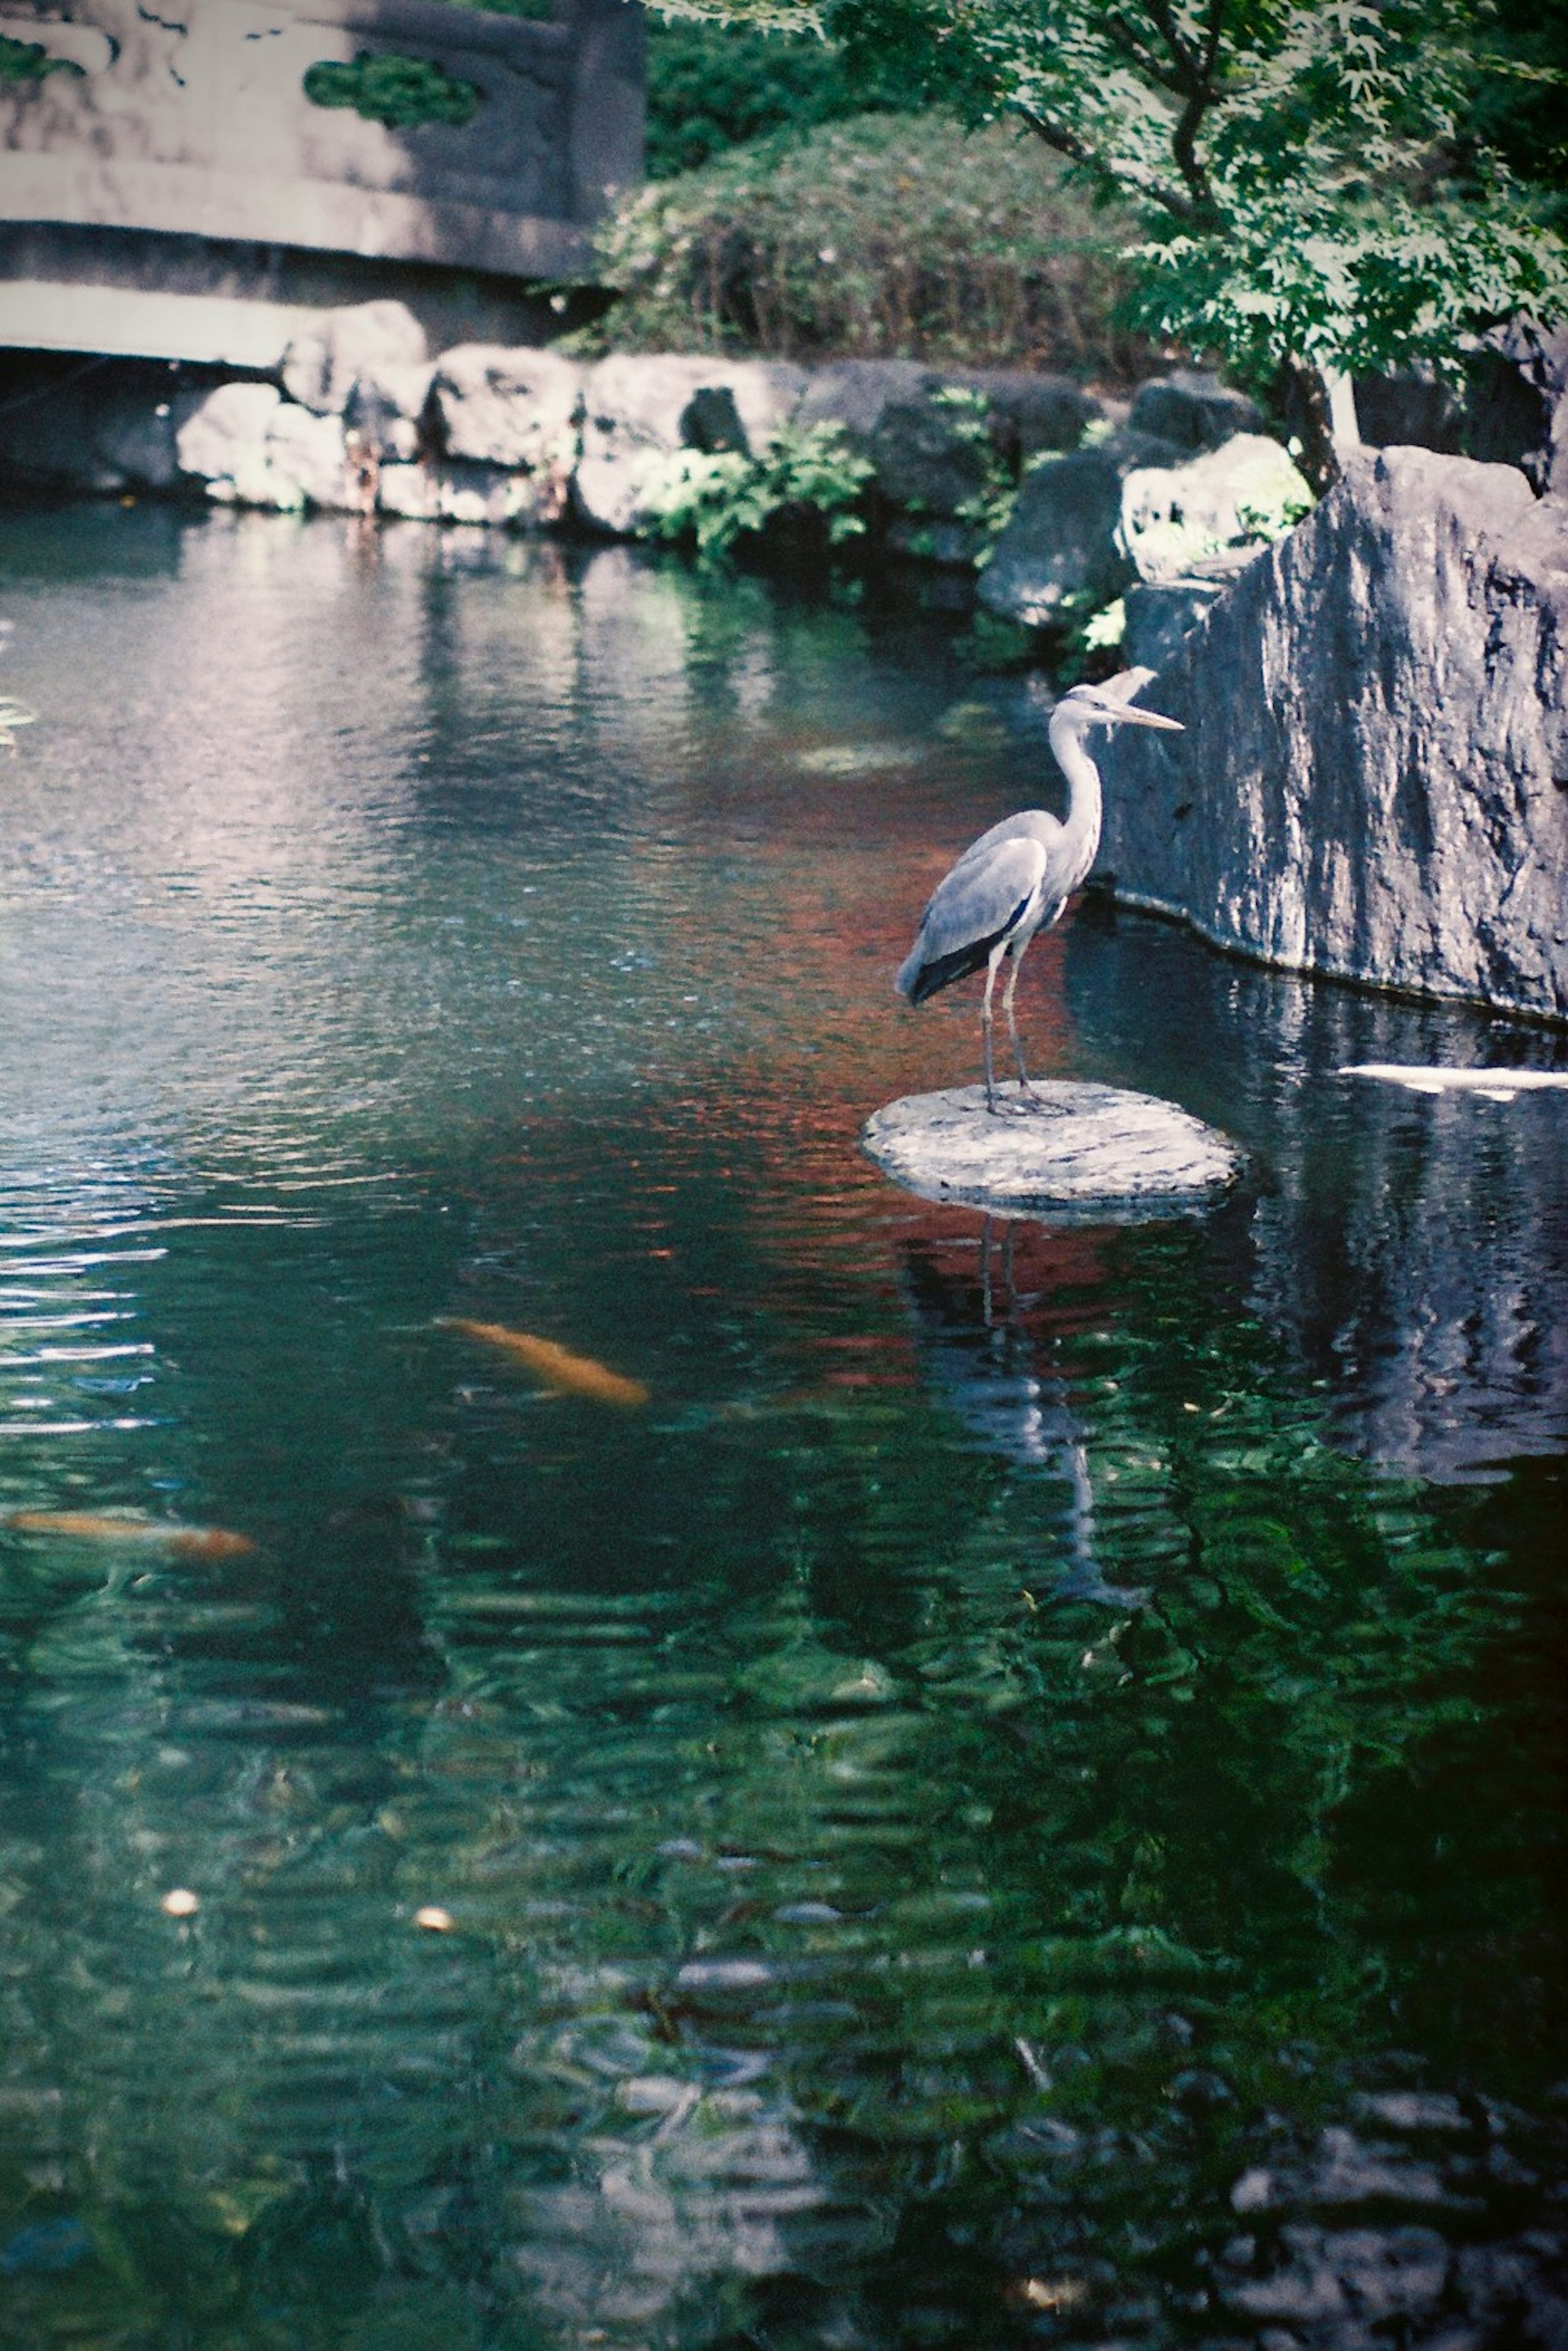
x=1017, y=1731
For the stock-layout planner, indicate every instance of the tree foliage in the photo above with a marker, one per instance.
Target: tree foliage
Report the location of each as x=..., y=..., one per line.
x=715, y=86
x=1306, y=173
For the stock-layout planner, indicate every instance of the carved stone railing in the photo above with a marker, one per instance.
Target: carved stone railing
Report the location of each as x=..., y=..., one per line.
x=174, y=150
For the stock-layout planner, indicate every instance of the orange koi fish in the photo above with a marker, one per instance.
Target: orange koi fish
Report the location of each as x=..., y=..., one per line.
x=554, y=1367
x=103, y=1527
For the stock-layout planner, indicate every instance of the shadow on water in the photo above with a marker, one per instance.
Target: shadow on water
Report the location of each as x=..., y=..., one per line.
x=1024, y=1739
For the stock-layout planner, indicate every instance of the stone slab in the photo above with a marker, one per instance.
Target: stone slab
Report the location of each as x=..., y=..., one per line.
x=1071, y=1150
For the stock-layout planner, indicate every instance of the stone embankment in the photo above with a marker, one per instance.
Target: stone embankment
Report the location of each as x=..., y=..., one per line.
x=1373, y=781
x=365, y=420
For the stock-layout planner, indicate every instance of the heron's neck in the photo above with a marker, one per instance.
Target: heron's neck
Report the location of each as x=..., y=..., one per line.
x=1083, y=823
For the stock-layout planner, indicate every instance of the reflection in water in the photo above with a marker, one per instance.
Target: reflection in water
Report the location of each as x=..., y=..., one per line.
x=984, y=1354
x=869, y=1847
x=1413, y=1251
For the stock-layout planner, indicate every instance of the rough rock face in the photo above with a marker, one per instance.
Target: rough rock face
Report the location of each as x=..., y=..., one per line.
x=500, y=407
x=1193, y=409
x=1373, y=781
x=637, y=409
x=1063, y=544
x=1160, y=612
x=320, y=366
x=250, y=447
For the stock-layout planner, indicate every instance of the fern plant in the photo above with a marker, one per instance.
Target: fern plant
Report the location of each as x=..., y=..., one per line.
x=711, y=502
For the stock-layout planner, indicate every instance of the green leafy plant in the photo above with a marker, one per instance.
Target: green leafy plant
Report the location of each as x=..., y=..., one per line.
x=712, y=501
x=29, y=61
x=1312, y=194
x=887, y=236
x=715, y=86
x=988, y=507
x=399, y=91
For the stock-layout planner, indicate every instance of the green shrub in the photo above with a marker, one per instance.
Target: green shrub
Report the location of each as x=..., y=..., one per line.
x=713, y=87
x=884, y=236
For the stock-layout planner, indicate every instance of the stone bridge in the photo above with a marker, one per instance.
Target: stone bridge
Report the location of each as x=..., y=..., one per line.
x=191, y=179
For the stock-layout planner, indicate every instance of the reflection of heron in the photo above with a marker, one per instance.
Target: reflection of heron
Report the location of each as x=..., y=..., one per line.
x=1017, y=878
x=1013, y=1403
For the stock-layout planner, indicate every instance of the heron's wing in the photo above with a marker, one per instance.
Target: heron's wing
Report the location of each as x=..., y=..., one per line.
x=1029, y=824
x=983, y=898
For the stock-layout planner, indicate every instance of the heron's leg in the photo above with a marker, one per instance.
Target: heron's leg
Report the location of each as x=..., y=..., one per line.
x=996, y=956
x=1013, y=963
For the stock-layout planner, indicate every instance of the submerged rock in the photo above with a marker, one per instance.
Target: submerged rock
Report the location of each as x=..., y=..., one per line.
x=1076, y=1150
x=1373, y=780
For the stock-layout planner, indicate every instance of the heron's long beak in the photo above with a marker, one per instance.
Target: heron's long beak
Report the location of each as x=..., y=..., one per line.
x=1146, y=719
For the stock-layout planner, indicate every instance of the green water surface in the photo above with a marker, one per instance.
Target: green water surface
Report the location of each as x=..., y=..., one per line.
x=1015, y=1716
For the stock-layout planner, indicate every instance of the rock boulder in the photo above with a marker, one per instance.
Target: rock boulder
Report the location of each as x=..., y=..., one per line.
x=497, y=406
x=321, y=365
x=1193, y=409
x=1176, y=517
x=1081, y=1151
x=1518, y=403
x=250, y=447
x=1063, y=548
x=386, y=408
x=1373, y=781
x=638, y=409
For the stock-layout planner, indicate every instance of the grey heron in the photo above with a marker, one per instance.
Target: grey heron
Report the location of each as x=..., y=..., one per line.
x=1017, y=878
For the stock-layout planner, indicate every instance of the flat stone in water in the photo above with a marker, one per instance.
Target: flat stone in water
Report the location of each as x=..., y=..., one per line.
x=1079, y=1150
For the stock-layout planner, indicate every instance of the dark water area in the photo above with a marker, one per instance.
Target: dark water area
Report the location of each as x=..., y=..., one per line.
x=1027, y=1768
